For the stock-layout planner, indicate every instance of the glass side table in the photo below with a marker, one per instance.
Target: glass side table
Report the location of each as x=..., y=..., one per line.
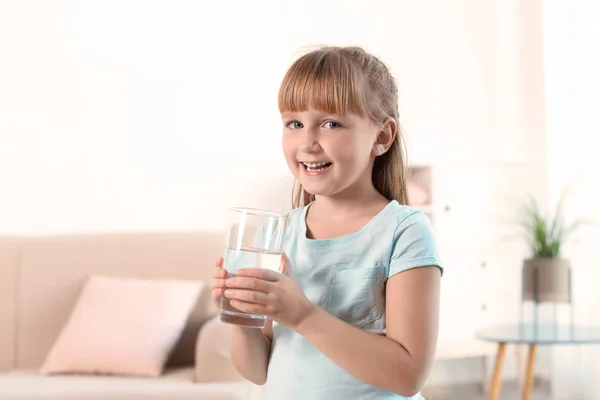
x=532, y=335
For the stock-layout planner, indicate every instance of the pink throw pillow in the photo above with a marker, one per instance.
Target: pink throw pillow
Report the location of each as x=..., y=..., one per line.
x=123, y=326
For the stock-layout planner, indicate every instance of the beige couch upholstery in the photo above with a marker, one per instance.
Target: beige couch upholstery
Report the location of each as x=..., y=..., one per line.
x=40, y=279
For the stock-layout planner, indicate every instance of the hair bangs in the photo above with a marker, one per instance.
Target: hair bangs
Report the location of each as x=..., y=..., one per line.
x=325, y=82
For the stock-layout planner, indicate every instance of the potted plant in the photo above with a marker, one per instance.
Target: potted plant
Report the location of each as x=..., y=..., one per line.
x=546, y=274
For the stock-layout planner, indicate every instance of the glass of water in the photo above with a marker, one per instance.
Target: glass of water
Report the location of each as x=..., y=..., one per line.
x=253, y=240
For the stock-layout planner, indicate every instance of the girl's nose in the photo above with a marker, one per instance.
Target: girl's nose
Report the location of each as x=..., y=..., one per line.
x=310, y=142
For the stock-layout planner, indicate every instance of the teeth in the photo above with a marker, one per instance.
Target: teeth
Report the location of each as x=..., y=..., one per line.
x=315, y=165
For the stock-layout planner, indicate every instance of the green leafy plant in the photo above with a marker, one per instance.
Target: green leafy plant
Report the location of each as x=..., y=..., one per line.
x=546, y=235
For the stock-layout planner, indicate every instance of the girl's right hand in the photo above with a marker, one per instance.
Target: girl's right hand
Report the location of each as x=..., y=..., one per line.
x=218, y=282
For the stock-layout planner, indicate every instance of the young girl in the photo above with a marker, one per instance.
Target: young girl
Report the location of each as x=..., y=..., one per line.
x=358, y=317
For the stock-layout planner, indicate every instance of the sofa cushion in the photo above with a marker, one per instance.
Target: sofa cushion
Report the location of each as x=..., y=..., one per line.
x=53, y=270
x=123, y=326
x=175, y=384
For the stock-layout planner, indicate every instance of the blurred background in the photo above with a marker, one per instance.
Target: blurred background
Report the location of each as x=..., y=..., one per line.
x=121, y=116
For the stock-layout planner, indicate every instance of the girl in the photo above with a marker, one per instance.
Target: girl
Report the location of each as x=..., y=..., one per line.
x=359, y=317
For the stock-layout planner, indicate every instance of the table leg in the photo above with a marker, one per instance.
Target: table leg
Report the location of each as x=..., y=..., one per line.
x=497, y=377
x=529, y=373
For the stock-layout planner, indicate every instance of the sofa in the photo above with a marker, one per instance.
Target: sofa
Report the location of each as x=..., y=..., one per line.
x=40, y=281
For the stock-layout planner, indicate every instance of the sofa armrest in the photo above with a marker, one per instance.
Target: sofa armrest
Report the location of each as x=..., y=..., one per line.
x=213, y=359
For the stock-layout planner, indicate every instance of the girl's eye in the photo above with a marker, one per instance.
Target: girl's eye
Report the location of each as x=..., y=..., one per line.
x=332, y=125
x=295, y=125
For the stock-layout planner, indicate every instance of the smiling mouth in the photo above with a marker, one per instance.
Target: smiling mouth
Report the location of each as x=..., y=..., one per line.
x=316, y=167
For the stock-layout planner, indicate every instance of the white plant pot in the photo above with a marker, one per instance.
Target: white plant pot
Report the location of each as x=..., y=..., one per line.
x=547, y=280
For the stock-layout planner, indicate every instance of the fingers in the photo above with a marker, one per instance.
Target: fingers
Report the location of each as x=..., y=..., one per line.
x=260, y=273
x=219, y=271
x=218, y=281
x=248, y=296
x=284, y=266
x=219, y=275
x=249, y=308
x=248, y=283
x=217, y=293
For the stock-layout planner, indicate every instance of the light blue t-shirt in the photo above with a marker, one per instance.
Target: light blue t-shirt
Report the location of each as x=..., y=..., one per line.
x=345, y=276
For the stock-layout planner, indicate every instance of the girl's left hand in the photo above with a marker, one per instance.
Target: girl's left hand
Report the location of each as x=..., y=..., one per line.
x=270, y=293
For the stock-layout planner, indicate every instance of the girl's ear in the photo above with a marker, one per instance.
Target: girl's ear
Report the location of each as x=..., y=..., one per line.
x=385, y=137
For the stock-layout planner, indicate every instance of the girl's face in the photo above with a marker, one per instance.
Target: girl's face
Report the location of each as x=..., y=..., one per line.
x=327, y=153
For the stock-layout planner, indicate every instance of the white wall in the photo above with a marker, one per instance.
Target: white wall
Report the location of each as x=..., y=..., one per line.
x=572, y=59
x=135, y=115
x=159, y=115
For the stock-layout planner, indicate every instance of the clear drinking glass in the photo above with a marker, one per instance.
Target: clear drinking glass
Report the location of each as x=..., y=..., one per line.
x=253, y=240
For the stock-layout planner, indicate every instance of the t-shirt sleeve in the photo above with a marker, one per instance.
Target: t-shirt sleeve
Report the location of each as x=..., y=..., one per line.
x=414, y=245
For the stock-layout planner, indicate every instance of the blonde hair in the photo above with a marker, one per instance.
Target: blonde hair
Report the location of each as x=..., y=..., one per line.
x=342, y=80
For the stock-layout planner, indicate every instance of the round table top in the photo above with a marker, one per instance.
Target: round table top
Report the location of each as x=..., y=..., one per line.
x=541, y=334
